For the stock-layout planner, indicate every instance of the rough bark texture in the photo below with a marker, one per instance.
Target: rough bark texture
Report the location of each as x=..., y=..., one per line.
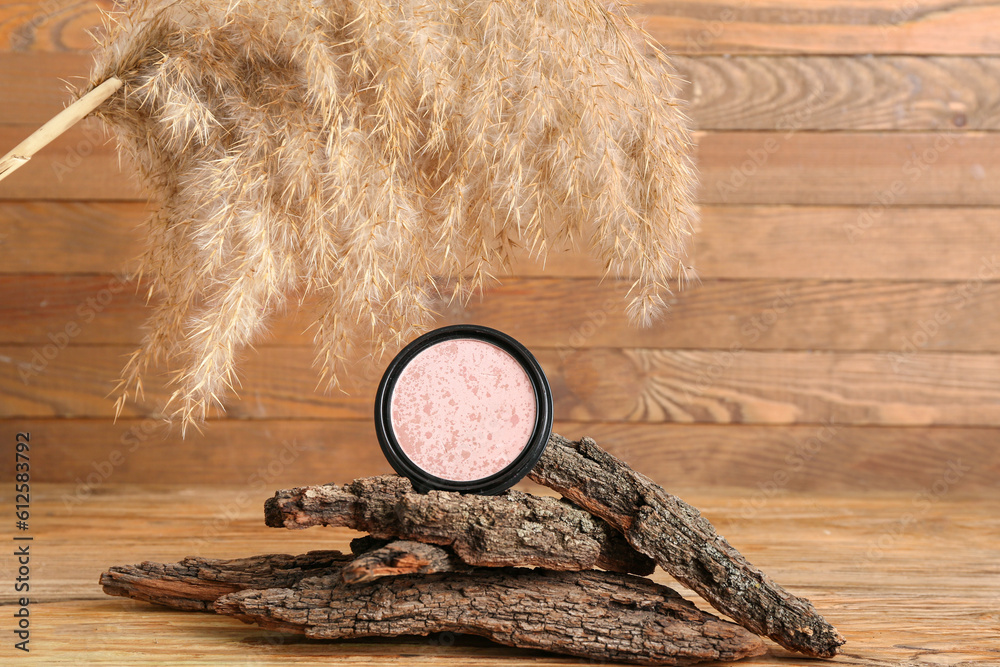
x=195, y=583
x=598, y=615
x=683, y=543
x=401, y=557
x=495, y=531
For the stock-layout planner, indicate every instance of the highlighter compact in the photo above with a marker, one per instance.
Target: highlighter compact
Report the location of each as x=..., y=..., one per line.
x=463, y=408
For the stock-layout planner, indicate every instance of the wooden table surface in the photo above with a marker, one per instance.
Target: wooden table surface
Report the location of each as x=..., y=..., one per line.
x=908, y=579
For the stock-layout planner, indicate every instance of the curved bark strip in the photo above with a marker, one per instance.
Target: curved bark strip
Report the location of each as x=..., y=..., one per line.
x=683, y=543
x=195, y=583
x=591, y=614
x=511, y=529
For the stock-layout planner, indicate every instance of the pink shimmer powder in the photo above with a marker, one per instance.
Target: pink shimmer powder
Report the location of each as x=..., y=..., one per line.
x=463, y=409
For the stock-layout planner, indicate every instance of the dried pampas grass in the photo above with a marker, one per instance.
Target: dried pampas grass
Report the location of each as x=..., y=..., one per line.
x=355, y=149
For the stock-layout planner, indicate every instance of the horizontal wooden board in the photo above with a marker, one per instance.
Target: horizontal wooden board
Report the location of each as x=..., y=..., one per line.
x=776, y=387
x=92, y=453
x=597, y=384
x=864, y=169
x=782, y=242
x=868, y=170
x=822, y=26
x=571, y=313
x=686, y=26
x=796, y=93
x=783, y=93
x=847, y=243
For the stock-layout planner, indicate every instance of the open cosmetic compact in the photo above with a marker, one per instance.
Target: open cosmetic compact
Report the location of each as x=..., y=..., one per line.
x=463, y=408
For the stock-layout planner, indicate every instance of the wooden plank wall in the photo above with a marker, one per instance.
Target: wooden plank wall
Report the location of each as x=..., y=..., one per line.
x=845, y=333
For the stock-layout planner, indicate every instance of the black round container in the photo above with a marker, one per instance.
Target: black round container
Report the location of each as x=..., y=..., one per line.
x=514, y=471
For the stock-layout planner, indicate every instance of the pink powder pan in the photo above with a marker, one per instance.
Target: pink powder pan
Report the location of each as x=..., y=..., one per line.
x=463, y=408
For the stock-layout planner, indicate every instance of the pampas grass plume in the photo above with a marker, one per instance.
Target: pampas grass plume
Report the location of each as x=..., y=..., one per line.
x=354, y=150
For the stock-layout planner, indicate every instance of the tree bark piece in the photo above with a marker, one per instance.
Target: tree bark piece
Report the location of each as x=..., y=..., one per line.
x=683, y=543
x=598, y=615
x=513, y=528
x=195, y=583
x=401, y=557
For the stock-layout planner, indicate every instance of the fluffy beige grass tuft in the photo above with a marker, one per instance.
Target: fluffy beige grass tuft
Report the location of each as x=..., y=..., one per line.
x=354, y=149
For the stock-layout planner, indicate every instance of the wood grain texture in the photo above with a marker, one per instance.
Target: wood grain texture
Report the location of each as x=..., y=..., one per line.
x=865, y=243
x=684, y=26
x=857, y=169
x=803, y=93
x=775, y=387
x=765, y=461
x=598, y=384
x=766, y=241
x=578, y=313
x=871, y=170
x=895, y=317
x=783, y=93
x=822, y=26
x=40, y=82
x=926, y=596
x=75, y=237
x=47, y=26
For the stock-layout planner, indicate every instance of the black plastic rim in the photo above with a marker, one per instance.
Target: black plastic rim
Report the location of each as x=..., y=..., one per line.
x=498, y=482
